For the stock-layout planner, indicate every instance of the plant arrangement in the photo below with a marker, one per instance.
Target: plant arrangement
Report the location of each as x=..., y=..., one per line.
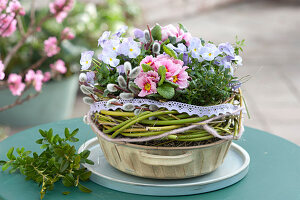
x=58, y=161
x=163, y=87
x=40, y=45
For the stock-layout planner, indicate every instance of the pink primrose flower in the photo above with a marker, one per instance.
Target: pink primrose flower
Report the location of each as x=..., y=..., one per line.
x=146, y=84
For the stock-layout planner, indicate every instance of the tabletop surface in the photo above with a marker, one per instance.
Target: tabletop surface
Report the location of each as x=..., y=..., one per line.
x=274, y=172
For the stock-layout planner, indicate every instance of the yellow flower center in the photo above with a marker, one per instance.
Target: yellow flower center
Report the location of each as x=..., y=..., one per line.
x=175, y=79
x=149, y=63
x=110, y=59
x=87, y=62
x=147, y=86
x=130, y=49
x=195, y=49
x=209, y=54
x=114, y=48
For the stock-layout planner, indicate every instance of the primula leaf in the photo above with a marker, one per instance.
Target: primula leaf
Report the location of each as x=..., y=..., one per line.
x=166, y=91
x=169, y=51
x=174, y=85
x=156, y=32
x=162, y=73
x=146, y=67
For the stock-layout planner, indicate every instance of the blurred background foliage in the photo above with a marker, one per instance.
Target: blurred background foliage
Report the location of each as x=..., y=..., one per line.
x=86, y=20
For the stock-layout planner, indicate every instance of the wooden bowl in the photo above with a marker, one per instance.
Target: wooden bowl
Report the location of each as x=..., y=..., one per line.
x=164, y=162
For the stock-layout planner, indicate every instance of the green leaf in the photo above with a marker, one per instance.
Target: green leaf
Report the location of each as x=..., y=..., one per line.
x=43, y=133
x=66, y=193
x=40, y=141
x=85, y=153
x=146, y=67
x=74, y=132
x=67, y=133
x=169, y=51
x=162, y=73
x=73, y=139
x=156, y=32
x=166, y=91
x=174, y=85
x=44, y=146
x=10, y=153
x=85, y=175
x=183, y=28
x=89, y=162
x=68, y=180
x=2, y=162
x=6, y=166
x=84, y=189
x=172, y=39
x=64, y=165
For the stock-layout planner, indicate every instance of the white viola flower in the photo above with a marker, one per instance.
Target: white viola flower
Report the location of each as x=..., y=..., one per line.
x=238, y=60
x=129, y=48
x=209, y=52
x=195, y=47
x=86, y=59
x=109, y=58
x=120, y=31
x=111, y=45
x=103, y=38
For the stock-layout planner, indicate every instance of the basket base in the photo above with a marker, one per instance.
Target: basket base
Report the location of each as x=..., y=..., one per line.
x=234, y=168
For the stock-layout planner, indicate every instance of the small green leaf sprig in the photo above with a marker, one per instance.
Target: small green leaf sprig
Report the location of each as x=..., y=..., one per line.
x=58, y=161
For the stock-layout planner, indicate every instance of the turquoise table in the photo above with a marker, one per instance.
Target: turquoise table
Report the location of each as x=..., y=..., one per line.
x=274, y=172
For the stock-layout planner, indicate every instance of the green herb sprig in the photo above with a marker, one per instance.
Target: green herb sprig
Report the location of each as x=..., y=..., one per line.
x=58, y=161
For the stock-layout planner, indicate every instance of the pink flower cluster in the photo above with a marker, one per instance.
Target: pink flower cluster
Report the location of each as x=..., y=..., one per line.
x=66, y=34
x=15, y=84
x=60, y=9
x=175, y=72
x=59, y=66
x=14, y=6
x=178, y=33
x=7, y=25
x=50, y=46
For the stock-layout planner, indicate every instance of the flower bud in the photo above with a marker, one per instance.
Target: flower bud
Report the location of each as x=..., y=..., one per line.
x=122, y=82
x=112, y=87
x=85, y=119
x=127, y=67
x=126, y=96
x=156, y=48
x=109, y=103
x=82, y=77
x=135, y=72
x=153, y=107
x=86, y=90
x=147, y=36
x=128, y=107
x=88, y=100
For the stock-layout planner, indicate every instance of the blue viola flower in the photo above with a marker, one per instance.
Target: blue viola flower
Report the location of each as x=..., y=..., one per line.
x=120, y=31
x=110, y=58
x=90, y=76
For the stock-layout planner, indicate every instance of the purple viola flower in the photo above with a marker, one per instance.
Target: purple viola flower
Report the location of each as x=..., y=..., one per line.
x=181, y=48
x=90, y=76
x=104, y=37
x=121, y=69
x=195, y=47
x=209, y=52
x=227, y=49
x=86, y=59
x=185, y=58
x=138, y=33
x=129, y=48
x=120, y=31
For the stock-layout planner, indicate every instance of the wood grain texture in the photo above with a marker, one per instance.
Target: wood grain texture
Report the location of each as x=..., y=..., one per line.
x=162, y=162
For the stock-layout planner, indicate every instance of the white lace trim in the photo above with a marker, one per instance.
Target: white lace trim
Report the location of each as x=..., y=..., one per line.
x=172, y=105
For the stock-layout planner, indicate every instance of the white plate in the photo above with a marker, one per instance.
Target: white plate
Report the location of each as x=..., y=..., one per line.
x=234, y=168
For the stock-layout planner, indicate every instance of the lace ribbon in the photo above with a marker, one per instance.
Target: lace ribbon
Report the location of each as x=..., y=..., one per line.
x=172, y=105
